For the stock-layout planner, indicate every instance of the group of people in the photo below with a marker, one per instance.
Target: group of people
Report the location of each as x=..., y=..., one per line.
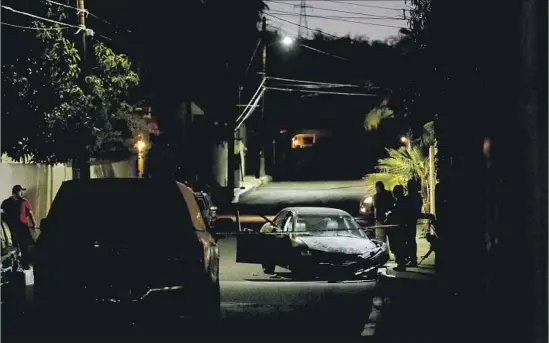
x=396, y=215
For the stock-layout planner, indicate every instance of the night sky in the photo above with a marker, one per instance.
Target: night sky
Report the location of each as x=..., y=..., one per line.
x=340, y=17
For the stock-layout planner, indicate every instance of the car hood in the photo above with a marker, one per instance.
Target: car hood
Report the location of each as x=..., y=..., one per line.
x=339, y=244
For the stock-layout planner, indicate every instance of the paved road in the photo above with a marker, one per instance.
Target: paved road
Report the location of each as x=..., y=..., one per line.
x=274, y=196
x=257, y=304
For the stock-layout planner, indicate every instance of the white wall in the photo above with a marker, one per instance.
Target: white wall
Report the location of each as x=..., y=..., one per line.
x=220, y=163
x=43, y=182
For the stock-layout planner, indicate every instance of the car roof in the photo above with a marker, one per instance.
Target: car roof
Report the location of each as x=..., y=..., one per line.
x=113, y=185
x=317, y=211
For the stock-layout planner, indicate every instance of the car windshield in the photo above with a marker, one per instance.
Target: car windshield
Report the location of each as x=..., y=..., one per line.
x=328, y=225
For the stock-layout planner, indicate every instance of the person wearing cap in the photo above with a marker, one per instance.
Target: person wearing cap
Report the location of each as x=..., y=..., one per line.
x=18, y=212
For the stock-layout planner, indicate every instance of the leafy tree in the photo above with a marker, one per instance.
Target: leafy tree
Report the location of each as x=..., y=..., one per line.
x=54, y=113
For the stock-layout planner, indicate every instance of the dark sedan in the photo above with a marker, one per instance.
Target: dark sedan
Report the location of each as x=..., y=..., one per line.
x=313, y=241
x=120, y=255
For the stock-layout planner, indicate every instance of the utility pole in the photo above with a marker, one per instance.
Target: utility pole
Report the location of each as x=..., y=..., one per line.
x=432, y=179
x=263, y=131
x=230, y=126
x=81, y=165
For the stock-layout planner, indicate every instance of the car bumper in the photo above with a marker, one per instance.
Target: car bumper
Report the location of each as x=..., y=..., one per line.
x=351, y=267
x=116, y=314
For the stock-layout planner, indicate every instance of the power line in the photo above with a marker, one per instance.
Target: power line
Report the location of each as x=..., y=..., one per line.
x=44, y=19
x=313, y=82
x=362, y=5
x=359, y=22
x=321, y=8
x=369, y=16
x=318, y=50
x=352, y=21
x=318, y=92
x=253, y=55
x=289, y=22
x=87, y=12
x=34, y=28
x=323, y=52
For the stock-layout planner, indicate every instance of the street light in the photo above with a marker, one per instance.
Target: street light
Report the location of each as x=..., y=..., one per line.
x=287, y=41
x=141, y=146
x=403, y=139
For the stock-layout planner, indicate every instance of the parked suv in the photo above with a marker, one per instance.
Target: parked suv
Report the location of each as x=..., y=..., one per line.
x=118, y=254
x=209, y=211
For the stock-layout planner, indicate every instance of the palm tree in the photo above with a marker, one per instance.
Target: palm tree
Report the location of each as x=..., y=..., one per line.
x=402, y=165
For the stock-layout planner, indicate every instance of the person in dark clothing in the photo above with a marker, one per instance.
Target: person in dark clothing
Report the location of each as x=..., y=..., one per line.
x=414, y=203
x=383, y=202
x=18, y=212
x=397, y=235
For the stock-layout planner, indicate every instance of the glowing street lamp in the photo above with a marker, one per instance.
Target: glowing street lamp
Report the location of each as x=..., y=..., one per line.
x=141, y=145
x=287, y=41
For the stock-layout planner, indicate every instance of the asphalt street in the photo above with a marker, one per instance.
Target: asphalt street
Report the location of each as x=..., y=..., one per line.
x=255, y=304
x=274, y=196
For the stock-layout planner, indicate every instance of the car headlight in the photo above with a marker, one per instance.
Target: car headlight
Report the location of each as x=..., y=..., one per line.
x=369, y=254
x=368, y=200
x=305, y=252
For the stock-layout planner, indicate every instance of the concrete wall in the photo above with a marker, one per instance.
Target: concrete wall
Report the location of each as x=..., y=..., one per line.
x=43, y=182
x=219, y=165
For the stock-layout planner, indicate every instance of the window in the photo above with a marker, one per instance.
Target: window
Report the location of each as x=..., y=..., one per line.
x=289, y=224
x=279, y=219
x=307, y=141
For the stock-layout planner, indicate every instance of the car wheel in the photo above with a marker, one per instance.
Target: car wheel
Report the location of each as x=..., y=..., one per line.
x=268, y=268
x=205, y=309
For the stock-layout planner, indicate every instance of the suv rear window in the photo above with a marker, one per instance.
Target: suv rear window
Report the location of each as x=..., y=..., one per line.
x=120, y=211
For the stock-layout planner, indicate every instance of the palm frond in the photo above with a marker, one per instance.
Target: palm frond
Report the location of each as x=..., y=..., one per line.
x=375, y=116
x=428, y=136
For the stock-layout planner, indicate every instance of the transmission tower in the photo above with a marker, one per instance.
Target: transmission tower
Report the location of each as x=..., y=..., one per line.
x=303, y=19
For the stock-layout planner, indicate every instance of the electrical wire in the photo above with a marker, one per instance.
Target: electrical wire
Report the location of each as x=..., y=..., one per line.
x=324, y=52
x=320, y=8
x=315, y=49
x=252, y=108
x=34, y=28
x=252, y=100
x=354, y=21
x=362, y=5
x=40, y=18
x=253, y=55
x=87, y=12
x=318, y=92
x=298, y=25
x=369, y=17
x=312, y=82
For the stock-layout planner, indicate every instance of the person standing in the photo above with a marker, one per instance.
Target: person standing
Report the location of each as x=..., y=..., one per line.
x=383, y=202
x=414, y=203
x=397, y=235
x=18, y=214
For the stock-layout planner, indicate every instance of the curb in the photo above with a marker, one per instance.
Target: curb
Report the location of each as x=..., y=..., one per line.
x=261, y=181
